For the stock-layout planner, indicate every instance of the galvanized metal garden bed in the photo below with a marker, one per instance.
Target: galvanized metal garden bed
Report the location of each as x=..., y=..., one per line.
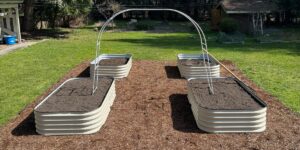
x=192, y=71
x=69, y=123
x=228, y=120
x=115, y=71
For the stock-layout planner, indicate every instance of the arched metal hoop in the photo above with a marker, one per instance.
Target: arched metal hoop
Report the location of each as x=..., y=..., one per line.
x=196, y=25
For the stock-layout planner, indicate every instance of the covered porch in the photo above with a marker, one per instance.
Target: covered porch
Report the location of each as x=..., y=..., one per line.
x=9, y=18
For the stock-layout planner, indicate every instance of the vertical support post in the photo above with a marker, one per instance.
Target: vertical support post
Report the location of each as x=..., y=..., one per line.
x=1, y=25
x=146, y=14
x=7, y=19
x=1, y=22
x=261, y=24
x=253, y=23
x=17, y=25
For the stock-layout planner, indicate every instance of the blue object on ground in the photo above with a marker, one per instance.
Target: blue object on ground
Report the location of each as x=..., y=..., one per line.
x=10, y=39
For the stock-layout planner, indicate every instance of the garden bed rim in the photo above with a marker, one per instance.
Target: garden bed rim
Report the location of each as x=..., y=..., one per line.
x=51, y=118
x=246, y=89
x=75, y=113
x=197, y=56
x=225, y=111
x=107, y=56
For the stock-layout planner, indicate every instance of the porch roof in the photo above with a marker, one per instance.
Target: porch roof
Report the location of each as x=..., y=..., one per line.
x=247, y=6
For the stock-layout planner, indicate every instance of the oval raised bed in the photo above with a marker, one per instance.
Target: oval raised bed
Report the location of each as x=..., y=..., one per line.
x=232, y=108
x=72, y=109
x=113, y=65
x=192, y=66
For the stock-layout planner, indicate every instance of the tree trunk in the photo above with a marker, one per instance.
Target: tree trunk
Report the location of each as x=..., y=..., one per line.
x=28, y=15
x=66, y=21
x=55, y=14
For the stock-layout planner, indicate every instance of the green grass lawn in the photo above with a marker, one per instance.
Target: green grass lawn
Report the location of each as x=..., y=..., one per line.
x=27, y=73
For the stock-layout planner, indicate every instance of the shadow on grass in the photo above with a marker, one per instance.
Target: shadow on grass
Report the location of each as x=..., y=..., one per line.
x=172, y=72
x=192, y=43
x=45, y=33
x=182, y=116
x=26, y=127
x=162, y=42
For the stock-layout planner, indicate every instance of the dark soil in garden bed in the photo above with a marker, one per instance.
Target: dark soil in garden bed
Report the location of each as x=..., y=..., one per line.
x=113, y=61
x=195, y=62
x=228, y=94
x=76, y=96
x=151, y=111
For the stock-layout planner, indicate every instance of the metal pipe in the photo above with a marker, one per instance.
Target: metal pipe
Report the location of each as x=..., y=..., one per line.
x=196, y=25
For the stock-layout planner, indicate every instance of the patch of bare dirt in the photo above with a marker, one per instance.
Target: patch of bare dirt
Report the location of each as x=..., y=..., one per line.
x=77, y=96
x=151, y=111
x=228, y=95
x=113, y=61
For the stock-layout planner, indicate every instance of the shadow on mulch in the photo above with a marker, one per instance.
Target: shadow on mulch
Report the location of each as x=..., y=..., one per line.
x=182, y=116
x=26, y=127
x=85, y=73
x=172, y=72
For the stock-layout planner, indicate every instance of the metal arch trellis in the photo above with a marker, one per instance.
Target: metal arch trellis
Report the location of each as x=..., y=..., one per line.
x=196, y=25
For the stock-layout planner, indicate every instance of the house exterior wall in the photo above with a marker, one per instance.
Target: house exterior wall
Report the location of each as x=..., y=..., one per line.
x=215, y=18
x=244, y=21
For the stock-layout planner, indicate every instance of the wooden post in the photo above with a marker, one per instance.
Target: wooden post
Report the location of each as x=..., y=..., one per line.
x=146, y=14
x=17, y=25
x=7, y=20
x=1, y=25
x=253, y=23
x=261, y=25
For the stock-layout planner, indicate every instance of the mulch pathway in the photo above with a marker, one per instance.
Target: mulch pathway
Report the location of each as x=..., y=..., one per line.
x=151, y=111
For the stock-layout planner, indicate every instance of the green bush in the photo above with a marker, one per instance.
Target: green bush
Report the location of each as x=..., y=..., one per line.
x=229, y=25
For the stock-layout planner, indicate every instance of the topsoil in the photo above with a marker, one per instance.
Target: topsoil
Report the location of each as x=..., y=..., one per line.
x=228, y=95
x=76, y=96
x=113, y=61
x=195, y=62
x=151, y=111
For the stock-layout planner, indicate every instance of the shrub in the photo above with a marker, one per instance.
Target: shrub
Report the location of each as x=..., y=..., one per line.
x=229, y=25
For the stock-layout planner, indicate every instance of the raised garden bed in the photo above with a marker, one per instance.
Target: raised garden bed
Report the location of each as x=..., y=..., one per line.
x=232, y=107
x=192, y=66
x=73, y=109
x=113, y=65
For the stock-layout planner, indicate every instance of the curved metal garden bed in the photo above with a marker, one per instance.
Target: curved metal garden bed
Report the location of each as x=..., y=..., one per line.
x=115, y=71
x=228, y=120
x=190, y=71
x=69, y=123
